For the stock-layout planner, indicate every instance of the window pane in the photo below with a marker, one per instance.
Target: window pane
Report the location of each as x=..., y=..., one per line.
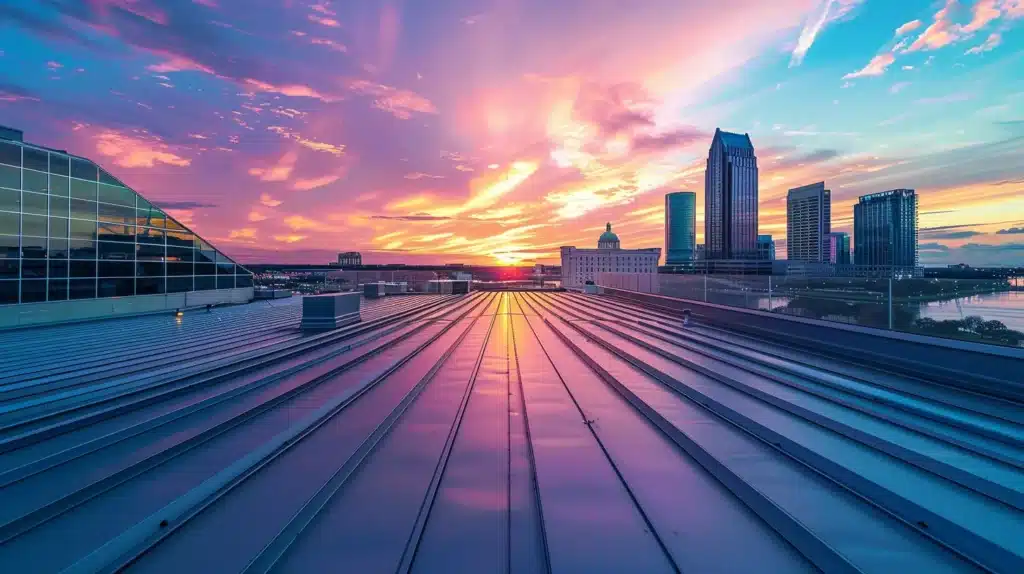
x=204, y=256
x=225, y=269
x=179, y=269
x=10, y=153
x=83, y=189
x=114, y=232
x=9, y=268
x=117, y=269
x=58, y=228
x=34, y=225
x=116, y=251
x=33, y=247
x=154, y=236
x=59, y=185
x=34, y=203
x=204, y=283
x=8, y=292
x=33, y=269
x=81, y=229
x=145, y=286
x=10, y=246
x=116, y=214
x=109, y=179
x=151, y=218
x=58, y=290
x=58, y=249
x=35, y=181
x=59, y=206
x=82, y=288
x=182, y=254
x=150, y=269
x=83, y=269
x=10, y=200
x=179, y=284
x=58, y=269
x=180, y=238
x=118, y=195
x=58, y=164
x=243, y=281
x=225, y=282
x=83, y=249
x=172, y=224
x=205, y=269
x=83, y=209
x=33, y=291
x=146, y=252
x=83, y=169
x=36, y=159
x=116, y=287
x=10, y=177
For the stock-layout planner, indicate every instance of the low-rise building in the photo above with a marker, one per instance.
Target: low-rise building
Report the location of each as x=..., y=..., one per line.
x=582, y=265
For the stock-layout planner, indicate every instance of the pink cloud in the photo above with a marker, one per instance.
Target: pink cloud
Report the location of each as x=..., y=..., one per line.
x=941, y=32
x=314, y=145
x=337, y=47
x=985, y=11
x=314, y=183
x=420, y=175
x=176, y=63
x=876, y=67
x=293, y=90
x=329, y=22
x=1014, y=8
x=130, y=151
x=399, y=103
x=281, y=171
x=990, y=43
x=908, y=27
x=267, y=200
x=256, y=216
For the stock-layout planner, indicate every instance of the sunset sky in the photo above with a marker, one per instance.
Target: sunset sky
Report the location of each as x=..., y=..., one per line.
x=495, y=131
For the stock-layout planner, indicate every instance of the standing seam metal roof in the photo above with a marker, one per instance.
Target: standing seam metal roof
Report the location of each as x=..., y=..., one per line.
x=511, y=432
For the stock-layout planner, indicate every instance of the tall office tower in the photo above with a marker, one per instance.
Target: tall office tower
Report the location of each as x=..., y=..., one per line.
x=885, y=229
x=680, y=227
x=837, y=248
x=808, y=220
x=730, y=198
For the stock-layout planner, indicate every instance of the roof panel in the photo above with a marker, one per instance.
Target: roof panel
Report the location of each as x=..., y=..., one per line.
x=526, y=432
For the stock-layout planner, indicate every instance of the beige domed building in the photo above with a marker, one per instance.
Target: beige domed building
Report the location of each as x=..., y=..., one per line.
x=582, y=265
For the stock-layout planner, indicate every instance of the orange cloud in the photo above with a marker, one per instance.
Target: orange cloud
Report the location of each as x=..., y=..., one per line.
x=128, y=151
x=942, y=32
x=908, y=27
x=256, y=216
x=293, y=90
x=177, y=63
x=329, y=22
x=314, y=145
x=985, y=11
x=289, y=238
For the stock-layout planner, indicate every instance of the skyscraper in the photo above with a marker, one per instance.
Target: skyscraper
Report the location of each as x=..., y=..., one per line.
x=680, y=227
x=808, y=220
x=730, y=198
x=885, y=229
x=837, y=248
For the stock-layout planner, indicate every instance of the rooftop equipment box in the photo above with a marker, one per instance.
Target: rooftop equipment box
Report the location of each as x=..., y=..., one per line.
x=325, y=312
x=374, y=290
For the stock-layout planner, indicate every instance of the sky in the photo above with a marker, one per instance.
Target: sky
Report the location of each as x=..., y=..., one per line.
x=495, y=131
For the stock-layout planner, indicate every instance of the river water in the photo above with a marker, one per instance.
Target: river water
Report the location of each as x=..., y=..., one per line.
x=1006, y=307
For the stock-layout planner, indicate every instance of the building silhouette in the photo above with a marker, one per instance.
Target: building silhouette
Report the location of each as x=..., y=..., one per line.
x=885, y=229
x=808, y=221
x=680, y=227
x=730, y=198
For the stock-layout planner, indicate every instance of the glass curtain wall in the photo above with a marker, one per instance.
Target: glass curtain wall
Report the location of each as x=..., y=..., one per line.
x=70, y=230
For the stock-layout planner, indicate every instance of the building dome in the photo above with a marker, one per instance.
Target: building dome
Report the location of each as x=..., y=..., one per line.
x=608, y=240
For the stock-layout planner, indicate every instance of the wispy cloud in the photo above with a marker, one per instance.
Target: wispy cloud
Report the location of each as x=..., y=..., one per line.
x=876, y=67
x=990, y=43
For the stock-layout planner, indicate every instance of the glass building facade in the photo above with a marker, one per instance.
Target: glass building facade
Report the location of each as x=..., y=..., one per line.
x=808, y=222
x=70, y=230
x=680, y=227
x=885, y=229
x=730, y=198
x=837, y=248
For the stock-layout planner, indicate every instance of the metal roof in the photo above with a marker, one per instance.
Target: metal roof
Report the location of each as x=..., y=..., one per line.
x=495, y=432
